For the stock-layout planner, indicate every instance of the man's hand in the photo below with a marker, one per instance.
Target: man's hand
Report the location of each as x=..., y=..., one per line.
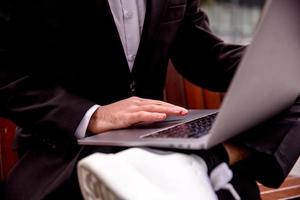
x=131, y=111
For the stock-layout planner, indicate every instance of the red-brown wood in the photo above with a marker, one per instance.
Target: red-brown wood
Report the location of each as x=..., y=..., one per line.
x=290, y=189
x=7, y=156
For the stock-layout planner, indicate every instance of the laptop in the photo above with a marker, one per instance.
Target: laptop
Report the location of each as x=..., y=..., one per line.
x=267, y=82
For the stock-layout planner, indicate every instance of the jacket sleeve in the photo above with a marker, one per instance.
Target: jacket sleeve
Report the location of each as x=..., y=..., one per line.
x=29, y=95
x=197, y=49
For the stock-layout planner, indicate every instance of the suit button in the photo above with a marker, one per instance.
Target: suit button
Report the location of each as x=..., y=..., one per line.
x=128, y=14
x=132, y=88
x=131, y=57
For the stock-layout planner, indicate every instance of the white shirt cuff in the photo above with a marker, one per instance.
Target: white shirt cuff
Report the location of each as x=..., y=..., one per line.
x=81, y=129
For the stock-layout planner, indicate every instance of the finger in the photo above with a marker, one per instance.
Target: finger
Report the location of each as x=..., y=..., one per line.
x=165, y=104
x=161, y=109
x=144, y=116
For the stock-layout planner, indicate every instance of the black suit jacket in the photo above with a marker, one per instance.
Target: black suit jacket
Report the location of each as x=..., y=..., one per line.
x=60, y=57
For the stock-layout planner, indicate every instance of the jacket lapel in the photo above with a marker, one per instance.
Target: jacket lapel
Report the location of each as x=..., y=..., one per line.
x=154, y=11
x=110, y=26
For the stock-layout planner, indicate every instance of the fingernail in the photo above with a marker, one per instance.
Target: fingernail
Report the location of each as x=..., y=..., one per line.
x=180, y=110
x=184, y=112
x=162, y=116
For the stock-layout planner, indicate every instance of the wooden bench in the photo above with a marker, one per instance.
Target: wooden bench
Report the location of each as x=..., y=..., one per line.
x=290, y=189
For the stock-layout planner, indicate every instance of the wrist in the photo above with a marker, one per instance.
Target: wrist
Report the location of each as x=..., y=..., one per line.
x=97, y=123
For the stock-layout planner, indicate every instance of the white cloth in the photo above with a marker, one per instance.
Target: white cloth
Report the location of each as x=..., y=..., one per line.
x=145, y=174
x=220, y=177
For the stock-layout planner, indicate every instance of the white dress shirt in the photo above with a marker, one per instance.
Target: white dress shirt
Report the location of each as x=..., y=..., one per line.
x=129, y=17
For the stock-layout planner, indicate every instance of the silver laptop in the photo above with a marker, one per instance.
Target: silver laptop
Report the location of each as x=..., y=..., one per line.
x=266, y=82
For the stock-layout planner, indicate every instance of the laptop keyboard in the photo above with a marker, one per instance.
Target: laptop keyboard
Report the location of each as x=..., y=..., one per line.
x=192, y=129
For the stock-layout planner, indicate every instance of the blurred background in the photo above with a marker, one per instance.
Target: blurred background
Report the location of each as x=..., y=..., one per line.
x=233, y=20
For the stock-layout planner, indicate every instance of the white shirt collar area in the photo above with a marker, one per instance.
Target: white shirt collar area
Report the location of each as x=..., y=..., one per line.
x=129, y=17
